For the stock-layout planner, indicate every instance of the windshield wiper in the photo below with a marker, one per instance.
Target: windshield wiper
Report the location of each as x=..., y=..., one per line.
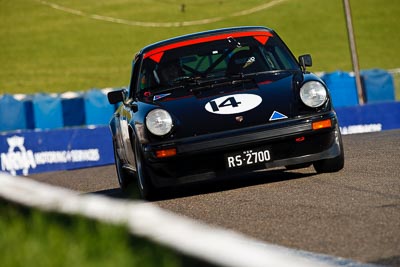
x=176, y=84
x=223, y=81
x=235, y=79
x=168, y=89
x=186, y=79
x=253, y=74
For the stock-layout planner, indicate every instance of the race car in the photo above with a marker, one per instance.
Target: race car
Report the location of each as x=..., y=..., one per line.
x=218, y=103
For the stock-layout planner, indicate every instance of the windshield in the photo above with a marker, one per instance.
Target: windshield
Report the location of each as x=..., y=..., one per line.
x=212, y=61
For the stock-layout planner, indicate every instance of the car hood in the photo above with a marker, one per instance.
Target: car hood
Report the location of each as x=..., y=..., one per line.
x=261, y=100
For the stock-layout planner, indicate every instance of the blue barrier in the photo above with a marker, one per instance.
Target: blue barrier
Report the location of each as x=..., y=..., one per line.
x=73, y=109
x=54, y=111
x=15, y=113
x=378, y=85
x=97, y=109
x=31, y=151
x=47, y=111
x=342, y=87
x=369, y=117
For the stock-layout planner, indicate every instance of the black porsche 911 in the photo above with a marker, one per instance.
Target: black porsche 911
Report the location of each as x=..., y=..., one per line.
x=218, y=103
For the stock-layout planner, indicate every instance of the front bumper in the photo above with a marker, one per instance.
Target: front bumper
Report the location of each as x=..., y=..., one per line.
x=202, y=158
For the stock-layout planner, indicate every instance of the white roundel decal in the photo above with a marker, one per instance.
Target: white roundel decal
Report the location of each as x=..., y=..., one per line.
x=232, y=104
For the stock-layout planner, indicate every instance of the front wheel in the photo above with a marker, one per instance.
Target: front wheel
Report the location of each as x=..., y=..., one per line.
x=124, y=177
x=145, y=186
x=331, y=165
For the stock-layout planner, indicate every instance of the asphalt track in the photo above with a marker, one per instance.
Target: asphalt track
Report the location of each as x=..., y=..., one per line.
x=354, y=214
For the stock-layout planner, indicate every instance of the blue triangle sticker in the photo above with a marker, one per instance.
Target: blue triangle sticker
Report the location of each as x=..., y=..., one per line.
x=277, y=116
x=158, y=97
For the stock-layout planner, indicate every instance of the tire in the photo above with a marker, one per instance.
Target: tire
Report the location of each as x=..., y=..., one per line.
x=146, y=189
x=331, y=165
x=125, y=178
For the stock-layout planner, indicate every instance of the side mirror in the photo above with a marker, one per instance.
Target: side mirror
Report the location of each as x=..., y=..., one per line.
x=117, y=96
x=305, y=61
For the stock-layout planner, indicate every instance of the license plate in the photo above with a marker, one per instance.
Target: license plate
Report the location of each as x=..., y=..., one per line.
x=247, y=158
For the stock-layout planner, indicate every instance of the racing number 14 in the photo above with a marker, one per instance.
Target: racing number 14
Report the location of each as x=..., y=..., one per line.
x=233, y=104
x=230, y=101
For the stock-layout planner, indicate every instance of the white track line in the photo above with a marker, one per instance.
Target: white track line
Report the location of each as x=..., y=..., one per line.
x=159, y=24
x=215, y=245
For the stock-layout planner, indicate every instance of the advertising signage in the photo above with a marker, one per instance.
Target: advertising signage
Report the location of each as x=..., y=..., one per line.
x=29, y=152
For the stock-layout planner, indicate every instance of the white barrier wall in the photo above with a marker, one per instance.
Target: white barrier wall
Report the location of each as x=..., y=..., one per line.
x=214, y=245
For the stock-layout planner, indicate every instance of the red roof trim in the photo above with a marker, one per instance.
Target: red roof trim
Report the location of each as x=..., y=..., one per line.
x=157, y=57
x=262, y=39
x=157, y=53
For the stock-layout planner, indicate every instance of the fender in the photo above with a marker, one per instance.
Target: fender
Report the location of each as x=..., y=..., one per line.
x=129, y=155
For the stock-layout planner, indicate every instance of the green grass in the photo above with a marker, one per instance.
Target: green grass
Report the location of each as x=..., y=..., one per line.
x=33, y=238
x=396, y=81
x=49, y=50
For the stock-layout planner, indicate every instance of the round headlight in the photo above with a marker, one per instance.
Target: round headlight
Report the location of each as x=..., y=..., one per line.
x=313, y=94
x=159, y=122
